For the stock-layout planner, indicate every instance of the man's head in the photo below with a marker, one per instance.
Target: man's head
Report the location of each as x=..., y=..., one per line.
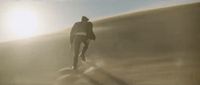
x=84, y=18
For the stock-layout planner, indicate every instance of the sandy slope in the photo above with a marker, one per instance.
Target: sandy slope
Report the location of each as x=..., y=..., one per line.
x=157, y=47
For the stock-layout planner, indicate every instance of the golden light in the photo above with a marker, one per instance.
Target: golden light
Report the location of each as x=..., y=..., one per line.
x=22, y=22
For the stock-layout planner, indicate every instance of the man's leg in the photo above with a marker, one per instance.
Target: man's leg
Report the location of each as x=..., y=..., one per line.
x=77, y=43
x=86, y=44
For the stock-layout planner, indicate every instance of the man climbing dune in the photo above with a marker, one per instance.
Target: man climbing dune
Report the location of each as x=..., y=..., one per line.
x=81, y=32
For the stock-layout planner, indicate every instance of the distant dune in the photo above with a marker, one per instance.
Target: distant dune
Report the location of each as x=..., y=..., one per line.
x=156, y=47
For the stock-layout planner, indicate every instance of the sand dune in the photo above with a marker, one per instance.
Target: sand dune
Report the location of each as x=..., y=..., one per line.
x=156, y=47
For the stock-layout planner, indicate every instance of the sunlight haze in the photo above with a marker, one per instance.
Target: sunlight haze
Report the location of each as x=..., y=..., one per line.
x=22, y=22
x=27, y=18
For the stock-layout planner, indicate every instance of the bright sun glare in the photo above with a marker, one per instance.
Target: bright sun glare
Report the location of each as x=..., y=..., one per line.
x=22, y=22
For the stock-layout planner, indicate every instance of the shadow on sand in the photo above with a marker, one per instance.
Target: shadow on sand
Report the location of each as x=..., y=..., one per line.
x=108, y=75
x=92, y=75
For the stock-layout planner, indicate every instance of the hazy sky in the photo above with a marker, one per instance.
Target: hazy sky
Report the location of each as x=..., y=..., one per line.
x=55, y=15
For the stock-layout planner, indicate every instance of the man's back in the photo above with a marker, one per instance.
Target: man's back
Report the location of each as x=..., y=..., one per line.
x=83, y=27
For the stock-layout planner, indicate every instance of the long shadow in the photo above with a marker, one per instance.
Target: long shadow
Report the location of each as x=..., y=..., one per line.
x=85, y=76
x=101, y=70
x=109, y=75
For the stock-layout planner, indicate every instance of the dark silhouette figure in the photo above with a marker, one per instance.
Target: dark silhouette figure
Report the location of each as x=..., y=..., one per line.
x=81, y=32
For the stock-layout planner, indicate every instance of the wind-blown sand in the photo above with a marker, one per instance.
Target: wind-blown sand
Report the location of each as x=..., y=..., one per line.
x=156, y=47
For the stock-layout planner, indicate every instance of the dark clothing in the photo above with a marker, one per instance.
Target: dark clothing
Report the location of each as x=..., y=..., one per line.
x=81, y=32
x=82, y=27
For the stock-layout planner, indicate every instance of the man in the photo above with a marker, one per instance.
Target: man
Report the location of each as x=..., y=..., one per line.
x=82, y=32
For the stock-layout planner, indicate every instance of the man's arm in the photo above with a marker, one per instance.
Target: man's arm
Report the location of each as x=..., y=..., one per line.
x=91, y=34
